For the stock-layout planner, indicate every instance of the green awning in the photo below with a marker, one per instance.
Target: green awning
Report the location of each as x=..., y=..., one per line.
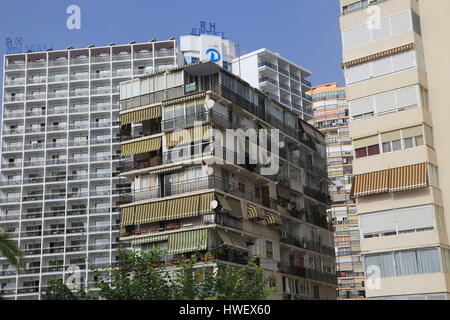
x=232, y=239
x=224, y=203
x=236, y=208
x=150, y=239
x=188, y=241
x=225, y=238
x=237, y=240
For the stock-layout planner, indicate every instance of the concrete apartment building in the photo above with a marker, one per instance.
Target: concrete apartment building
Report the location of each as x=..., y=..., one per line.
x=185, y=198
x=279, y=78
x=331, y=118
x=60, y=184
x=397, y=73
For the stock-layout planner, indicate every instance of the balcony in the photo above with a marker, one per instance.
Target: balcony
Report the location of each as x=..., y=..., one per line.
x=269, y=80
x=58, y=62
x=164, y=53
x=263, y=64
x=308, y=273
x=211, y=182
x=15, y=82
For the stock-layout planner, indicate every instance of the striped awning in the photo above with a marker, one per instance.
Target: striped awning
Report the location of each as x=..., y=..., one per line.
x=188, y=241
x=409, y=177
x=126, y=216
x=151, y=239
x=189, y=135
x=140, y=115
x=254, y=212
x=378, y=55
x=186, y=98
x=391, y=180
x=205, y=203
x=166, y=170
x=173, y=209
x=182, y=207
x=150, y=212
x=141, y=146
x=371, y=183
x=272, y=218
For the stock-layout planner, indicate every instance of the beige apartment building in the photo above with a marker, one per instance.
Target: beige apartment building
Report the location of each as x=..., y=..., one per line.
x=396, y=64
x=331, y=118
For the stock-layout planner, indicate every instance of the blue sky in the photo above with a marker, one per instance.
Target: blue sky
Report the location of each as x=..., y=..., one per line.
x=304, y=31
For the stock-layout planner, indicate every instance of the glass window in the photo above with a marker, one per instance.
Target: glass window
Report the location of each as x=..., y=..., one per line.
x=361, y=153
x=409, y=143
x=373, y=150
x=396, y=145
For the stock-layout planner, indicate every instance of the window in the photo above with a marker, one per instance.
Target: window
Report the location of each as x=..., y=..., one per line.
x=269, y=250
x=382, y=66
x=392, y=146
x=434, y=176
x=373, y=150
x=388, y=26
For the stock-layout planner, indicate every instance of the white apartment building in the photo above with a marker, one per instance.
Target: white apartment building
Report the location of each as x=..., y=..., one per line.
x=279, y=78
x=59, y=183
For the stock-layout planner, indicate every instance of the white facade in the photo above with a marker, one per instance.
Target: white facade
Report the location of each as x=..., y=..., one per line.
x=59, y=183
x=194, y=48
x=278, y=77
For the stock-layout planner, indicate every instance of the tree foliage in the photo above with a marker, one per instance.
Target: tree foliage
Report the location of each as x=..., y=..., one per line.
x=10, y=250
x=144, y=276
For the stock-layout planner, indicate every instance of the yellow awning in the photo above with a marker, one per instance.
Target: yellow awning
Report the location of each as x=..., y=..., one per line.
x=189, y=135
x=409, y=177
x=254, y=212
x=166, y=210
x=188, y=241
x=127, y=216
x=182, y=207
x=378, y=55
x=140, y=115
x=184, y=99
x=391, y=180
x=272, y=218
x=371, y=183
x=205, y=203
x=141, y=146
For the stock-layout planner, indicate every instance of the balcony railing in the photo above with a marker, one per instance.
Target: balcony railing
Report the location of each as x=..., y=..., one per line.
x=211, y=182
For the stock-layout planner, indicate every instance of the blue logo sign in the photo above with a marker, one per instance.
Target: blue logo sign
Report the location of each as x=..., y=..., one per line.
x=204, y=30
x=16, y=46
x=215, y=54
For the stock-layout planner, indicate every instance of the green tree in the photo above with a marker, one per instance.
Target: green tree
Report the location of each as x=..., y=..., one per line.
x=10, y=250
x=144, y=276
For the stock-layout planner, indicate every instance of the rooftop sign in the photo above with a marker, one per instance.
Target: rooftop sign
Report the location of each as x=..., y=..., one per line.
x=204, y=29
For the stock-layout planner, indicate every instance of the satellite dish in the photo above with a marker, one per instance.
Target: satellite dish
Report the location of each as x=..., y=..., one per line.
x=214, y=204
x=210, y=103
